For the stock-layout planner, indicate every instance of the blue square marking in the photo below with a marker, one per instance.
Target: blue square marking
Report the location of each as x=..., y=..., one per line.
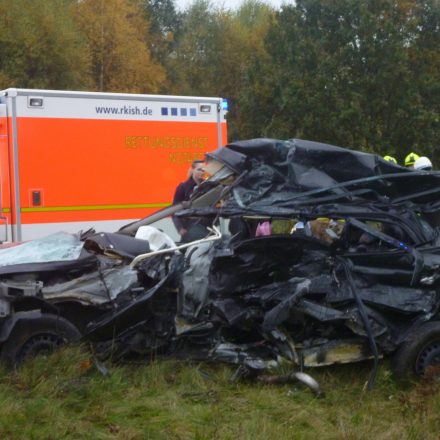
x=183, y=112
x=192, y=112
x=173, y=111
x=164, y=111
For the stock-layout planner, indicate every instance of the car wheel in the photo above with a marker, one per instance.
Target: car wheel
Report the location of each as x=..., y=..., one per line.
x=35, y=337
x=420, y=352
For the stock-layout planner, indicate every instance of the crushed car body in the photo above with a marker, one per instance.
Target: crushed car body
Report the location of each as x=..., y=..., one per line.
x=299, y=252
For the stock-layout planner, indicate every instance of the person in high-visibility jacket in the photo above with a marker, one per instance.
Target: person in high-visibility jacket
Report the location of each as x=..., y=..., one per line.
x=390, y=159
x=410, y=159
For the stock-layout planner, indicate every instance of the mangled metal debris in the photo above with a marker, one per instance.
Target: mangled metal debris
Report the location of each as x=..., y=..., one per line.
x=299, y=376
x=322, y=256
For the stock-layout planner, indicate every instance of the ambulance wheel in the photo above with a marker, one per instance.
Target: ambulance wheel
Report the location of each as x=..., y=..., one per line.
x=37, y=337
x=420, y=354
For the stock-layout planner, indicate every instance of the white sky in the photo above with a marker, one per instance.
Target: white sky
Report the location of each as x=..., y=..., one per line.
x=183, y=4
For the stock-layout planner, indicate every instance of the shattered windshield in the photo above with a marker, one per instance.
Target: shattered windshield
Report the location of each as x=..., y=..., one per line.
x=60, y=246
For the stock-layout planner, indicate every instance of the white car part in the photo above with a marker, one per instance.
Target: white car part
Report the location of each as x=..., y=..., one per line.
x=215, y=235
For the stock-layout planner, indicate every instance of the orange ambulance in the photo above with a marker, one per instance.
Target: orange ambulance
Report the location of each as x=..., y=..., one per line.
x=74, y=160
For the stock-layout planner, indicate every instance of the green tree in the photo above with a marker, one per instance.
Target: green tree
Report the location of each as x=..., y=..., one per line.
x=243, y=43
x=40, y=46
x=163, y=35
x=424, y=58
x=215, y=50
x=115, y=31
x=191, y=63
x=355, y=73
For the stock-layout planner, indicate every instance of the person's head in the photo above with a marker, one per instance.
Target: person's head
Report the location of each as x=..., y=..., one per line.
x=390, y=159
x=423, y=163
x=410, y=160
x=198, y=171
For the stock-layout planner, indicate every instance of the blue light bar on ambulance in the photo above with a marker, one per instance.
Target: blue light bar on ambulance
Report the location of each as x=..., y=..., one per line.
x=225, y=105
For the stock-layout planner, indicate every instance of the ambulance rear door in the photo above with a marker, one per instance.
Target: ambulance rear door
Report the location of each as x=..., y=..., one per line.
x=5, y=183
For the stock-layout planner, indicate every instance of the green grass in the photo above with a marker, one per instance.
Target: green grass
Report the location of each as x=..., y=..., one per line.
x=62, y=398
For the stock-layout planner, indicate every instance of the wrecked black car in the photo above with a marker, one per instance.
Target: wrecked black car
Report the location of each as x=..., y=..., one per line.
x=300, y=253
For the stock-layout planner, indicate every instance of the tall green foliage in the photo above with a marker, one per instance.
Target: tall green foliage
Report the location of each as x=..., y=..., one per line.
x=195, y=50
x=115, y=33
x=163, y=36
x=425, y=65
x=215, y=51
x=40, y=46
x=165, y=26
x=361, y=73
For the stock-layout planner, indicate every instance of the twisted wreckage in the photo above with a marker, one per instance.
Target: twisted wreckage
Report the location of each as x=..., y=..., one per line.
x=296, y=252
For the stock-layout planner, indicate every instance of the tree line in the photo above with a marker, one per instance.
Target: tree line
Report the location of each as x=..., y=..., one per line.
x=356, y=73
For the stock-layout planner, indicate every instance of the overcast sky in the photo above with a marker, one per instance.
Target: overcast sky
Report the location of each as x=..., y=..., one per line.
x=182, y=4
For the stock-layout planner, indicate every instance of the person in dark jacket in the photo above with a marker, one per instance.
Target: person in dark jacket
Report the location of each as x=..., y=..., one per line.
x=183, y=192
x=185, y=189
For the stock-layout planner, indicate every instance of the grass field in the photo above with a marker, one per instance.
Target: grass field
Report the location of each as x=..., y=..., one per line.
x=61, y=397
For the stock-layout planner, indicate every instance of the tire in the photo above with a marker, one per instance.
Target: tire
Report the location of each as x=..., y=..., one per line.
x=34, y=337
x=420, y=351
